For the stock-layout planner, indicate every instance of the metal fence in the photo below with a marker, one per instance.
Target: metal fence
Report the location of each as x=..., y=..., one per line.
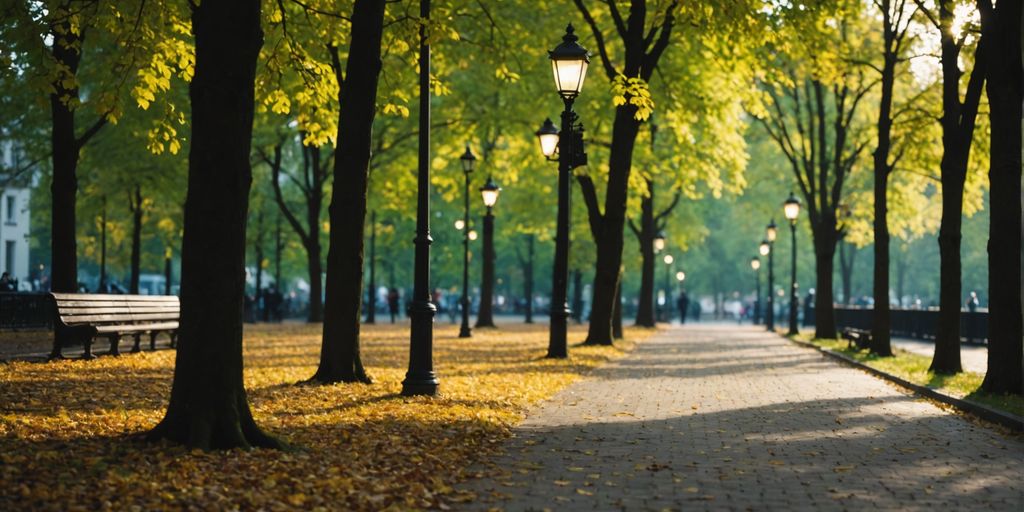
x=916, y=323
x=26, y=311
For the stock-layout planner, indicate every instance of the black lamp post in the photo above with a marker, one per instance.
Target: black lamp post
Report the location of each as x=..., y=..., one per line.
x=484, y=316
x=167, y=270
x=766, y=249
x=371, y=299
x=792, y=210
x=420, y=378
x=755, y=263
x=103, y=248
x=468, y=160
x=569, y=63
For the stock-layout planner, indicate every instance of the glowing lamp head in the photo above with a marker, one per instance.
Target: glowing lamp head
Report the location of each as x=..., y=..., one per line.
x=468, y=160
x=771, y=231
x=659, y=241
x=765, y=248
x=548, y=137
x=669, y=259
x=791, y=208
x=569, y=63
x=490, y=193
x=472, y=234
x=459, y=224
x=680, y=276
x=755, y=263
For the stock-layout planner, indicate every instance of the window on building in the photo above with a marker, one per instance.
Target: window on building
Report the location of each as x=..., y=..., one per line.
x=10, y=210
x=9, y=257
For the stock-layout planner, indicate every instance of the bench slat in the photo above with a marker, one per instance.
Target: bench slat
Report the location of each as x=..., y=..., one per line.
x=164, y=326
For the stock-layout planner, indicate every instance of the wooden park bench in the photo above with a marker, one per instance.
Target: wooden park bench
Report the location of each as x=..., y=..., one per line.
x=861, y=338
x=82, y=317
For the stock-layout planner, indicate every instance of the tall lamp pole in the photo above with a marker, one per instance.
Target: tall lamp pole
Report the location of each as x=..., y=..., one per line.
x=755, y=263
x=420, y=378
x=485, y=316
x=792, y=210
x=569, y=63
x=467, y=159
x=767, y=249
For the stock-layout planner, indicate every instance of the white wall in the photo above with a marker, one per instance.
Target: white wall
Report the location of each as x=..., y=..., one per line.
x=15, y=229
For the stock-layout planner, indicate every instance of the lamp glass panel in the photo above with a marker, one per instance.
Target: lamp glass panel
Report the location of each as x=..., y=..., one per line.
x=569, y=75
x=490, y=197
x=792, y=210
x=669, y=259
x=548, y=143
x=771, y=232
x=765, y=249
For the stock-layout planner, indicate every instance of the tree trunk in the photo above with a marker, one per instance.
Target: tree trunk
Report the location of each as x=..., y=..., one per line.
x=609, y=244
x=371, y=311
x=313, y=250
x=577, y=296
x=136, y=207
x=947, y=334
x=847, y=261
x=881, y=316
x=617, y=312
x=65, y=148
x=825, y=239
x=1005, y=96
x=208, y=407
x=485, y=315
x=340, y=359
x=645, y=237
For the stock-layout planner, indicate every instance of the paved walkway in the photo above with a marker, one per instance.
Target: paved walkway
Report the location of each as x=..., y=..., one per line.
x=729, y=417
x=973, y=358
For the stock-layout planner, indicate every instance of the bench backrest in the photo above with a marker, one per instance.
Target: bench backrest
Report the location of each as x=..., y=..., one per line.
x=98, y=309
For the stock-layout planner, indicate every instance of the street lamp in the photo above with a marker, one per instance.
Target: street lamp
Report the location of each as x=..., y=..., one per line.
x=755, y=263
x=468, y=160
x=659, y=242
x=420, y=379
x=569, y=63
x=548, y=137
x=791, y=208
x=484, y=317
x=766, y=250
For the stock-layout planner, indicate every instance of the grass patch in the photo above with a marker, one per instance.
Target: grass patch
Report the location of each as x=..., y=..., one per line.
x=914, y=368
x=68, y=430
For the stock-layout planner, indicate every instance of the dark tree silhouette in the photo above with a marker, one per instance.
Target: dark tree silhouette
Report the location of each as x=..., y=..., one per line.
x=208, y=408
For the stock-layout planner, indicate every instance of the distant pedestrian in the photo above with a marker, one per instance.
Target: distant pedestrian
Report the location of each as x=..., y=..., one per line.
x=683, y=303
x=972, y=302
x=393, y=303
x=7, y=284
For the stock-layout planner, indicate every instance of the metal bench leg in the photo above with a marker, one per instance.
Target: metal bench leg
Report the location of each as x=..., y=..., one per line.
x=152, y=340
x=174, y=339
x=138, y=340
x=115, y=340
x=87, y=354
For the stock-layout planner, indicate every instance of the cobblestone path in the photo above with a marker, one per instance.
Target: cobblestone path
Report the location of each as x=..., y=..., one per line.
x=728, y=417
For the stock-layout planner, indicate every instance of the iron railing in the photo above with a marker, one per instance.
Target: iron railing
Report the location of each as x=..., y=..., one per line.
x=26, y=311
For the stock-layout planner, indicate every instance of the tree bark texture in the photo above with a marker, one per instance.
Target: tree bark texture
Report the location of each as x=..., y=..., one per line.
x=847, y=262
x=208, y=408
x=340, y=359
x=527, y=264
x=1005, y=95
x=645, y=237
x=65, y=147
x=135, y=204
x=485, y=314
x=958, y=119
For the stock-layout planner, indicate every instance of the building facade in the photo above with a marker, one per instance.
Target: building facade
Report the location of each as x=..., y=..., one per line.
x=14, y=232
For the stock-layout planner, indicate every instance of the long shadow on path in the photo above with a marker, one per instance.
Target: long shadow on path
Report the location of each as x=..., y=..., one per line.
x=725, y=417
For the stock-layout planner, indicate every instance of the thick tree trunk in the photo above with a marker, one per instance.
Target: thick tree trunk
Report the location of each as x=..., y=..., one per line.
x=485, y=314
x=947, y=334
x=645, y=237
x=609, y=244
x=825, y=239
x=371, y=310
x=136, y=203
x=1005, y=95
x=314, y=261
x=881, y=316
x=577, y=296
x=340, y=359
x=65, y=147
x=208, y=408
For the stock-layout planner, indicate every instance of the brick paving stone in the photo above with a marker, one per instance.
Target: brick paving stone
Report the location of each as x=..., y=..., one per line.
x=729, y=417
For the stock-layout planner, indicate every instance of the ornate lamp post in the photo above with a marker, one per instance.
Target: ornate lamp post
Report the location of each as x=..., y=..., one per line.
x=569, y=63
x=484, y=316
x=755, y=263
x=791, y=208
x=420, y=378
x=766, y=250
x=468, y=160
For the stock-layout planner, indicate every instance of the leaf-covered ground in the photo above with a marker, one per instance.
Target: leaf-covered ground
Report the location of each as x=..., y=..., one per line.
x=69, y=431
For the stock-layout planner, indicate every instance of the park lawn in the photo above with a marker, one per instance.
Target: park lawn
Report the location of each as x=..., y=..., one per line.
x=914, y=368
x=70, y=431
